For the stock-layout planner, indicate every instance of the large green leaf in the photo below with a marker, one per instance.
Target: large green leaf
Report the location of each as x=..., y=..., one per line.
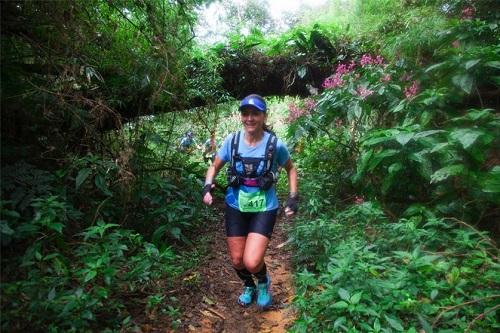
x=427, y=133
x=463, y=81
x=100, y=182
x=446, y=172
x=466, y=136
x=471, y=63
x=424, y=163
x=380, y=156
x=83, y=174
x=493, y=64
x=491, y=181
x=395, y=323
x=403, y=138
x=433, y=67
x=389, y=179
x=363, y=163
x=344, y=294
x=379, y=136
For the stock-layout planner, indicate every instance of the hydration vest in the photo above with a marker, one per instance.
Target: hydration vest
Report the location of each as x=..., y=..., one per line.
x=252, y=171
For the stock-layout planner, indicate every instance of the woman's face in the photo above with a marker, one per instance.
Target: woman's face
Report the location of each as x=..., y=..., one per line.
x=253, y=120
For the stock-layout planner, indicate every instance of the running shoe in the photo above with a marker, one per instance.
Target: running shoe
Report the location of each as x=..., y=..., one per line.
x=246, y=298
x=264, y=297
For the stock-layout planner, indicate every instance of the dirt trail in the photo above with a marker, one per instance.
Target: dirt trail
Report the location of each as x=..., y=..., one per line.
x=210, y=305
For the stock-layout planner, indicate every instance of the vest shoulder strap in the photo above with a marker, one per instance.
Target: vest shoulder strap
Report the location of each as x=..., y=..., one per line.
x=271, y=148
x=235, y=142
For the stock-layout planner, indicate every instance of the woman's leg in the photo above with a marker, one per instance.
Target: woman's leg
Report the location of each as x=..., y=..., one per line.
x=254, y=251
x=237, y=231
x=260, y=231
x=236, y=247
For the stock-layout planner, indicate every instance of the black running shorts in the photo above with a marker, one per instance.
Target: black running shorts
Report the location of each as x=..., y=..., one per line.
x=241, y=224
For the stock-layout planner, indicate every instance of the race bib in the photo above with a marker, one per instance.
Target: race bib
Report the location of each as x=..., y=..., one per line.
x=253, y=202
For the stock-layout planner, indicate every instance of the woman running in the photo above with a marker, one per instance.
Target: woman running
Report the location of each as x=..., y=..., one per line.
x=254, y=155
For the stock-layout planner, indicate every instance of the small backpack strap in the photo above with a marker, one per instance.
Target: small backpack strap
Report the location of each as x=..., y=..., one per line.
x=235, y=142
x=271, y=148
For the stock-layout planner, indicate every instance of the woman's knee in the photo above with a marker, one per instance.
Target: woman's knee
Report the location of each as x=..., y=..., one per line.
x=253, y=265
x=237, y=261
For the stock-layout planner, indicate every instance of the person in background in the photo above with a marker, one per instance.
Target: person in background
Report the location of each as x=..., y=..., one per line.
x=209, y=151
x=187, y=142
x=254, y=155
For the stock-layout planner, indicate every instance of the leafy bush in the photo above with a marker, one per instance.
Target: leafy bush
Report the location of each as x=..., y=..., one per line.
x=367, y=275
x=411, y=139
x=67, y=267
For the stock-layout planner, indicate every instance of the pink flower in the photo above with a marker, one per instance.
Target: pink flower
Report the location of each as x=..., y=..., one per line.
x=310, y=104
x=358, y=200
x=379, y=60
x=333, y=81
x=351, y=66
x=363, y=92
x=468, y=13
x=412, y=90
x=456, y=44
x=295, y=112
x=342, y=69
x=366, y=59
x=385, y=78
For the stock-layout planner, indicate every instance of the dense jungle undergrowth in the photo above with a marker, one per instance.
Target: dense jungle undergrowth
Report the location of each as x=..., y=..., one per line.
x=393, y=125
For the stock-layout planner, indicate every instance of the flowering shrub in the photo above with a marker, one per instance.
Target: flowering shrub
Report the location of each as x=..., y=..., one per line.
x=295, y=111
x=411, y=141
x=363, y=92
x=386, y=78
x=468, y=13
x=335, y=80
x=411, y=90
x=367, y=59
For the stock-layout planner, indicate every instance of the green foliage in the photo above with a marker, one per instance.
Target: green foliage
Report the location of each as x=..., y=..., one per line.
x=204, y=80
x=72, y=245
x=77, y=289
x=412, y=142
x=96, y=213
x=367, y=275
x=85, y=66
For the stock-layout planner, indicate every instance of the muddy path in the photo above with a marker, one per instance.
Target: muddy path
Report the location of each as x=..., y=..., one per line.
x=210, y=304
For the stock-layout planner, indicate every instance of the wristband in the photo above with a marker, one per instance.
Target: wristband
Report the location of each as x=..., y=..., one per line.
x=293, y=202
x=207, y=188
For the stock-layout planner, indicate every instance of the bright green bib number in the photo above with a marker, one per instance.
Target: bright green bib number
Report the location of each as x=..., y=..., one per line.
x=252, y=202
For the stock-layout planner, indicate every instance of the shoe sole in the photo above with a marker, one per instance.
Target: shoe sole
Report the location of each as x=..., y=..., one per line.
x=264, y=308
x=245, y=305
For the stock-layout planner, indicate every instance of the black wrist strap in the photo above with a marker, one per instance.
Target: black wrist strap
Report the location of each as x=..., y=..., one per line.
x=293, y=203
x=207, y=188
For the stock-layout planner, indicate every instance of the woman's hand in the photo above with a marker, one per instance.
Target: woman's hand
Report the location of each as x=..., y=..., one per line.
x=207, y=195
x=292, y=204
x=212, y=172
